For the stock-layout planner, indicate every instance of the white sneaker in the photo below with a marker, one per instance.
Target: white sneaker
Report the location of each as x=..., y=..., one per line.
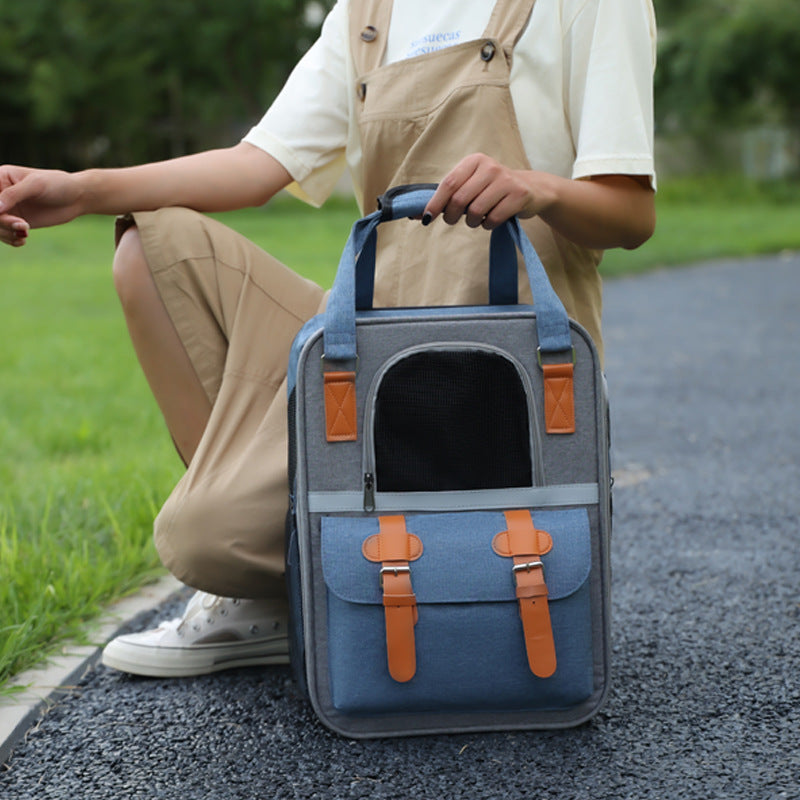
x=215, y=633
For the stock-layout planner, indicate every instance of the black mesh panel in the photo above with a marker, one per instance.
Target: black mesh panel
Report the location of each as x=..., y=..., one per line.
x=452, y=420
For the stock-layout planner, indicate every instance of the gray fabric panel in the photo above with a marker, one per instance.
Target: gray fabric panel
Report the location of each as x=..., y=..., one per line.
x=582, y=494
x=573, y=458
x=337, y=466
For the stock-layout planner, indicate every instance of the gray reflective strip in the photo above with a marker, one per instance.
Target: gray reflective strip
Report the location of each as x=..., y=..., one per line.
x=575, y=494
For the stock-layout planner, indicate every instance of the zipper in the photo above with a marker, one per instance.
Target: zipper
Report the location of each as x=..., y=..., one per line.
x=369, y=491
x=368, y=452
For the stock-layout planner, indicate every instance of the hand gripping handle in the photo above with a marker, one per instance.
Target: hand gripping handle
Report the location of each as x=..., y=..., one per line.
x=353, y=286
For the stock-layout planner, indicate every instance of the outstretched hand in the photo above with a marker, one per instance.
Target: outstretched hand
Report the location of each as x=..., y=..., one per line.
x=485, y=192
x=32, y=198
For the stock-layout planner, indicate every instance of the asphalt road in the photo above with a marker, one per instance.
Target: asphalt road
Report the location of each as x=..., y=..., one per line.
x=704, y=371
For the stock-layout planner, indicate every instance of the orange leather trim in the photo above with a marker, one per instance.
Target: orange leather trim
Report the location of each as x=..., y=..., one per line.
x=394, y=547
x=536, y=625
x=525, y=544
x=559, y=398
x=341, y=423
x=511, y=542
x=374, y=548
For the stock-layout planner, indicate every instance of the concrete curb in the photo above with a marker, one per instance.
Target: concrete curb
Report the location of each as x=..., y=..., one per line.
x=46, y=685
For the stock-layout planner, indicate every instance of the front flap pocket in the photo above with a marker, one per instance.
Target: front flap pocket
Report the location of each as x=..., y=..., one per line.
x=471, y=642
x=458, y=564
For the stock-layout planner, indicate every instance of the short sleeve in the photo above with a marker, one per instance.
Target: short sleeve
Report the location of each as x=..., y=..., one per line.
x=609, y=52
x=306, y=127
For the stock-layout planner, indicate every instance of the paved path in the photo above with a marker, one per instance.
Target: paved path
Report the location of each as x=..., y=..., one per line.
x=704, y=369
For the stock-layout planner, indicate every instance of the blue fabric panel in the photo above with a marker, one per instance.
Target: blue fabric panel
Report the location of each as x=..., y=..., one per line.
x=469, y=640
x=552, y=323
x=458, y=564
x=303, y=335
x=470, y=657
x=340, y=326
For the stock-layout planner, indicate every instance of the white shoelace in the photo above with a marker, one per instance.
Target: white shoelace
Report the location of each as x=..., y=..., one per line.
x=201, y=603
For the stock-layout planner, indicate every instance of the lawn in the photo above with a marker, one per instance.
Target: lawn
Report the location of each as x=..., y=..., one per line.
x=712, y=218
x=85, y=460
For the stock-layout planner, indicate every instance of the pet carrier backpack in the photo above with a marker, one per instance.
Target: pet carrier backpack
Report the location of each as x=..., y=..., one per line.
x=448, y=532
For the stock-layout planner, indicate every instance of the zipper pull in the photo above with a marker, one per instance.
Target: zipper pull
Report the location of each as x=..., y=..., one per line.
x=369, y=492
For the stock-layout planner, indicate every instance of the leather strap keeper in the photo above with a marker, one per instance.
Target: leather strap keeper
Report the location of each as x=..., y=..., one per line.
x=559, y=398
x=393, y=548
x=526, y=545
x=341, y=419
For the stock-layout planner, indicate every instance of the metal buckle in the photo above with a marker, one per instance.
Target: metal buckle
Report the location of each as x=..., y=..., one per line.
x=527, y=566
x=394, y=570
x=323, y=358
x=539, y=356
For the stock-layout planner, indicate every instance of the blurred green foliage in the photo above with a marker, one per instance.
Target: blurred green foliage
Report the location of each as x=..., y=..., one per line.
x=93, y=82
x=727, y=63
x=96, y=82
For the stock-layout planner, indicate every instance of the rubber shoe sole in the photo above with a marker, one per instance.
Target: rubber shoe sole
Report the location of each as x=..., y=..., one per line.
x=200, y=659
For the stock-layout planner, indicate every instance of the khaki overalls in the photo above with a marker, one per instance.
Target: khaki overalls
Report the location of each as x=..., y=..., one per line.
x=421, y=116
x=237, y=309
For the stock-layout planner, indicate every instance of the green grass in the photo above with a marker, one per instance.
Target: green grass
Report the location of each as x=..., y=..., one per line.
x=714, y=217
x=85, y=461
x=83, y=457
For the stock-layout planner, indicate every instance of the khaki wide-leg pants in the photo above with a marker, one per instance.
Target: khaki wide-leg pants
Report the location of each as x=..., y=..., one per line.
x=236, y=309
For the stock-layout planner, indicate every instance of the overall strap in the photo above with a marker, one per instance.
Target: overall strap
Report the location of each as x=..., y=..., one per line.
x=508, y=20
x=369, y=32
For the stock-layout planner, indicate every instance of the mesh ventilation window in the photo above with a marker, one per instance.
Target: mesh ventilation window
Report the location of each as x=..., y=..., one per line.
x=451, y=420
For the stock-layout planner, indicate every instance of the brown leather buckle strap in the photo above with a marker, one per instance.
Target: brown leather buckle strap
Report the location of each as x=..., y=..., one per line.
x=393, y=548
x=526, y=545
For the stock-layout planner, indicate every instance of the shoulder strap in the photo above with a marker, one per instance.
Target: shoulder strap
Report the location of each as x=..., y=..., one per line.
x=508, y=20
x=369, y=31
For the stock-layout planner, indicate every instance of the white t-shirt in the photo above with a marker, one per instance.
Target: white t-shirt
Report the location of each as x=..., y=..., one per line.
x=581, y=84
x=445, y=24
